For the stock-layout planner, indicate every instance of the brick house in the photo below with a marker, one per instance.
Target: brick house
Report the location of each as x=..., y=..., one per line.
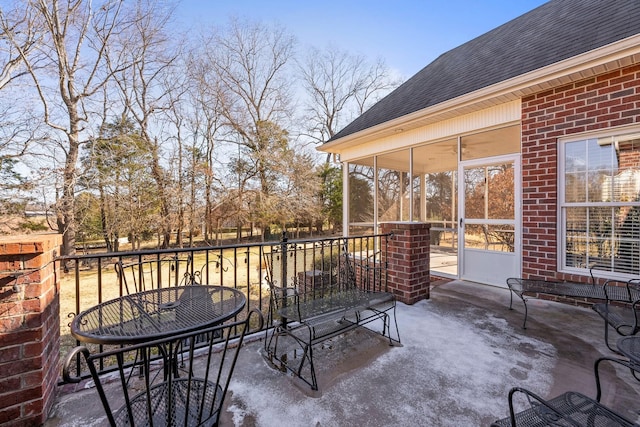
x=521, y=148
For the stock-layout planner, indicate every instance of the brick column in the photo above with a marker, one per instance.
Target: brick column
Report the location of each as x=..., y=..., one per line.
x=408, y=260
x=29, y=328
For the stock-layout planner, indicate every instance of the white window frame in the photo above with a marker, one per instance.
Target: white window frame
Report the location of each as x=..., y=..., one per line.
x=561, y=204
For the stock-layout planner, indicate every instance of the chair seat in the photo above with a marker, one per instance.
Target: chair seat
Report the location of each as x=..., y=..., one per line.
x=196, y=395
x=575, y=409
x=620, y=318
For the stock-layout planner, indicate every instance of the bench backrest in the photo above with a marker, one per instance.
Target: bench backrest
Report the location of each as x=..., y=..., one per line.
x=299, y=271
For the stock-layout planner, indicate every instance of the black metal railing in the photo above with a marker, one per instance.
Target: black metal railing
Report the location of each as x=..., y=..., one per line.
x=88, y=280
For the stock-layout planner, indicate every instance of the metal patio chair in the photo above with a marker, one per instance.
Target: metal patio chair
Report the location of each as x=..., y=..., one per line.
x=147, y=274
x=187, y=398
x=621, y=314
x=568, y=409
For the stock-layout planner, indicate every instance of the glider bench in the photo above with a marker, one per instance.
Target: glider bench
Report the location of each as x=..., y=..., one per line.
x=304, y=316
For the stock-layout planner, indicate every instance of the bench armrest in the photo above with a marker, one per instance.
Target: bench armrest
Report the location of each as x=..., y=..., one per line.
x=516, y=285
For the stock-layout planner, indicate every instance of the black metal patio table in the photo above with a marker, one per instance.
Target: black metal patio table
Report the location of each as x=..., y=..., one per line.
x=158, y=313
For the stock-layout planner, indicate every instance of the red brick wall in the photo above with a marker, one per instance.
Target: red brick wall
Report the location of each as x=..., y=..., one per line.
x=600, y=102
x=407, y=259
x=29, y=328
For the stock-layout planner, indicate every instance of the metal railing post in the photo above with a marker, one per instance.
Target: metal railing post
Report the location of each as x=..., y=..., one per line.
x=283, y=273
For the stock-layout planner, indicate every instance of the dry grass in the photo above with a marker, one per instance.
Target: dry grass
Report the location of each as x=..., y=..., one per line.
x=235, y=270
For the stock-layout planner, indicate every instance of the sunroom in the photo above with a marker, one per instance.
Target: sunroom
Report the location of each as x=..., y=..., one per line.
x=521, y=148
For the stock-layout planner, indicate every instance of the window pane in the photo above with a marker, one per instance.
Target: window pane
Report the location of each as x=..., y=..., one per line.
x=607, y=237
x=500, y=202
x=360, y=194
x=393, y=186
x=474, y=198
x=575, y=166
x=576, y=232
x=628, y=241
x=575, y=187
x=575, y=157
x=489, y=237
x=489, y=192
x=600, y=160
x=441, y=207
x=626, y=178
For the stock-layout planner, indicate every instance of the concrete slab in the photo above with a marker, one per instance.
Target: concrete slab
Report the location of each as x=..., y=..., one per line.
x=461, y=352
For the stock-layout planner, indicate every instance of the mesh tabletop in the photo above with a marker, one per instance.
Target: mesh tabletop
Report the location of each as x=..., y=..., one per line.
x=156, y=314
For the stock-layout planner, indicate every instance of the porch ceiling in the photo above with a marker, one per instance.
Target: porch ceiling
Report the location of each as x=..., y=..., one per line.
x=443, y=155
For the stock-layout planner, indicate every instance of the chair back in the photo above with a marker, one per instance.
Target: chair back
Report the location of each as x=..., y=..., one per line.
x=185, y=386
x=633, y=287
x=147, y=274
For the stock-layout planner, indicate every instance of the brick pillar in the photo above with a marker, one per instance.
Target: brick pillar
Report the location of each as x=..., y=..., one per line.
x=29, y=328
x=408, y=260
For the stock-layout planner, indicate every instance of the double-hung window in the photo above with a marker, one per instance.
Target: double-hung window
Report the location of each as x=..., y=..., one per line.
x=599, y=198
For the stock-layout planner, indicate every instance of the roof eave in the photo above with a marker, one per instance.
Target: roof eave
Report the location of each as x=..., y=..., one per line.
x=615, y=55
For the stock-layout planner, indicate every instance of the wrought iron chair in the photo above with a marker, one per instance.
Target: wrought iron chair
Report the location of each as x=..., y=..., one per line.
x=568, y=409
x=187, y=398
x=147, y=274
x=623, y=315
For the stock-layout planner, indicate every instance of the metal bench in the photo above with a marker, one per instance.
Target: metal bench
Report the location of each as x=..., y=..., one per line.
x=308, y=313
x=621, y=309
x=568, y=409
x=524, y=288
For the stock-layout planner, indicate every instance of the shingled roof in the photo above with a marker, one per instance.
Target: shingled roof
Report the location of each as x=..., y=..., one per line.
x=555, y=31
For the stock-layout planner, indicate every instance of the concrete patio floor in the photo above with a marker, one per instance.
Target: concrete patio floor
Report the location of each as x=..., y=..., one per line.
x=462, y=350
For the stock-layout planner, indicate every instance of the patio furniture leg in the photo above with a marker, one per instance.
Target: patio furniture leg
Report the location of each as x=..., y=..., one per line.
x=606, y=337
x=516, y=287
x=526, y=311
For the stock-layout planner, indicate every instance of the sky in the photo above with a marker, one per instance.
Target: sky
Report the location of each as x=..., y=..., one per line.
x=407, y=34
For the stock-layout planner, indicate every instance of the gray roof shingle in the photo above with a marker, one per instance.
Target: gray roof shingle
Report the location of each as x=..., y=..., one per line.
x=557, y=30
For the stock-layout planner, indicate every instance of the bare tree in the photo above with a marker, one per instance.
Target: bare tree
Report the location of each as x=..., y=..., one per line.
x=300, y=191
x=205, y=123
x=340, y=86
x=145, y=91
x=19, y=36
x=18, y=126
x=250, y=61
x=73, y=50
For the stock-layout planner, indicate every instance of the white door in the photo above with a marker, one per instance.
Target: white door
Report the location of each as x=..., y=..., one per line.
x=489, y=232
